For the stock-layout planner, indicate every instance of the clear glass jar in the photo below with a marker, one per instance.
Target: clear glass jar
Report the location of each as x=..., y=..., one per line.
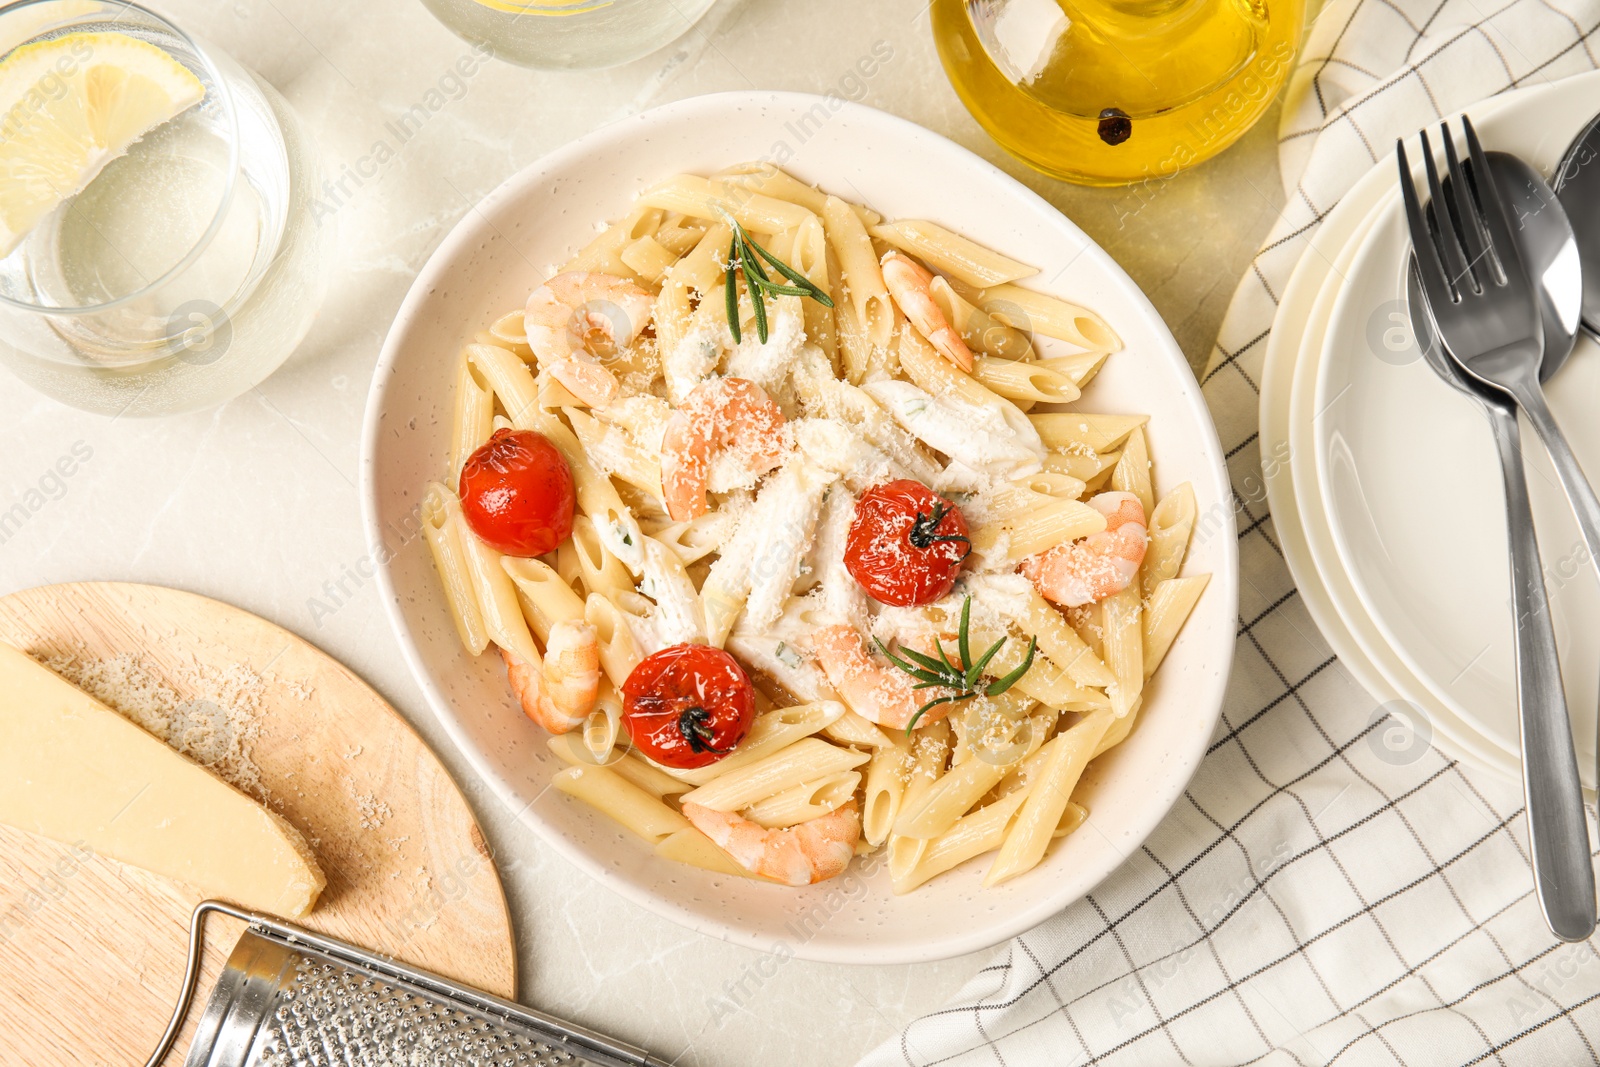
x=1111, y=92
x=570, y=34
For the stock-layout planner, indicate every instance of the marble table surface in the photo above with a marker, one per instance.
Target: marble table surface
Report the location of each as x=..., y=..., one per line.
x=199, y=501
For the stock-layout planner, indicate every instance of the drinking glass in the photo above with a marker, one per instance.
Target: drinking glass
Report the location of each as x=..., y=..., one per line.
x=188, y=269
x=570, y=34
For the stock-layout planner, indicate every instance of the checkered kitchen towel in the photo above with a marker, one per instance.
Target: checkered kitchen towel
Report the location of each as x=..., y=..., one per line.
x=1309, y=901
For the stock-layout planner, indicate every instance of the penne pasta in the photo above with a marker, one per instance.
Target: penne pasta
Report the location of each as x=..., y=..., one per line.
x=1123, y=642
x=1132, y=472
x=1037, y=312
x=806, y=801
x=1067, y=754
x=648, y=259
x=446, y=531
x=699, y=198
x=806, y=760
x=861, y=277
x=697, y=850
x=474, y=414
x=885, y=788
x=545, y=598
x=772, y=732
x=1077, y=432
x=972, y=835
x=1030, y=382
x=1165, y=612
x=950, y=252
x=620, y=800
x=1170, y=525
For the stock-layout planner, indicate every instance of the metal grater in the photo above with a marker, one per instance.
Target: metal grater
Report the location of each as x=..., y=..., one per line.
x=292, y=998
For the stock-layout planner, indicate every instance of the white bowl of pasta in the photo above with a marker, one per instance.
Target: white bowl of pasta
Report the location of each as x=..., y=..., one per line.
x=731, y=492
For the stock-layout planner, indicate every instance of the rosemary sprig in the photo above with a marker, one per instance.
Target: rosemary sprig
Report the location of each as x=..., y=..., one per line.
x=745, y=256
x=965, y=678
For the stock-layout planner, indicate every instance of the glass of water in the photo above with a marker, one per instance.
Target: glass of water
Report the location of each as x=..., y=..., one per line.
x=158, y=251
x=570, y=34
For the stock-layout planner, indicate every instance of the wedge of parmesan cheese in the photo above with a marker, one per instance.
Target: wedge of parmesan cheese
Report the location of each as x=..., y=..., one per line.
x=74, y=770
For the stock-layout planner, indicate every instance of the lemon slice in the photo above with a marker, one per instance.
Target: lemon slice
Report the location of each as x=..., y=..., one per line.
x=69, y=106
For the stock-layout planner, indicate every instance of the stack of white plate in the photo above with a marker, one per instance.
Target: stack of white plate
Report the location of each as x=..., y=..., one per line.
x=1384, y=484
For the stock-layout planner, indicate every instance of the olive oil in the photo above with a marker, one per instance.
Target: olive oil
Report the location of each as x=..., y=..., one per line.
x=1110, y=92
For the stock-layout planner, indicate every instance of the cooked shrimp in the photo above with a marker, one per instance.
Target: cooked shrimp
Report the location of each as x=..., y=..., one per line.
x=1094, y=567
x=811, y=852
x=559, y=694
x=874, y=689
x=908, y=283
x=728, y=415
x=576, y=319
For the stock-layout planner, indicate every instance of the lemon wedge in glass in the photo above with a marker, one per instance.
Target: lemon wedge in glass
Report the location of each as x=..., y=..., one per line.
x=70, y=105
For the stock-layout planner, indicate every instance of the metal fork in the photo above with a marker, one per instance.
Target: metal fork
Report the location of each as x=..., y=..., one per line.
x=1487, y=314
x=1485, y=305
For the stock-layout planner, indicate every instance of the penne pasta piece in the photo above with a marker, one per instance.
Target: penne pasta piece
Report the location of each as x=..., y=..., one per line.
x=772, y=732
x=510, y=379
x=1031, y=382
x=1171, y=523
x=1068, y=753
x=615, y=453
x=852, y=729
x=1084, y=467
x=748, y=178
x=474, y=414
x=1132, y=472
x=696, y=849
x=1165, y=612
x=885, y=788
x=680, y=614
x=569, y=748
x=904, y=854
x=678, y=237
x=804, y=802
x=1078, y=432
x=497, y=599
x=545, y=598
x=1123, y=641
x=972, y=835
x=509, y=330
x=937, y=808
x=957, y=256
x=600, y=729
x=1072, y=818
x=982, y=333
x=1118, y=731
x=1081, y=367
x=620, y=800
x=601, y=571
x=445, y=529
x=1037, y=312
x=1061, y=643
x=648, y=259
x=1031, y=533
x=861, y=277
x=699, y=198
x=619, y=650
x=1045, y=681
x=808, y=759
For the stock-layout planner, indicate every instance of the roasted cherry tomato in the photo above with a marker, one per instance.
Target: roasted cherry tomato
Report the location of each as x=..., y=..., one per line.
x=688, y=705
x=516, y=493
x=906, y=543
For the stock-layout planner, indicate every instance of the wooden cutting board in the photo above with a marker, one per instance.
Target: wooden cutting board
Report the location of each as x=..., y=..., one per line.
x=91, y=951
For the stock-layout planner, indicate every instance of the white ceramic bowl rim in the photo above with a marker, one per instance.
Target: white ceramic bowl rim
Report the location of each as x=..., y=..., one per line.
x=1175, y=774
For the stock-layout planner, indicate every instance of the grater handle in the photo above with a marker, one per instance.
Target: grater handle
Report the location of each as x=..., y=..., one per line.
x=591, y=1046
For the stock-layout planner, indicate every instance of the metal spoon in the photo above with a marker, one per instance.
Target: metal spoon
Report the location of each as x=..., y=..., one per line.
x=1577, y=185
x=1566, y=895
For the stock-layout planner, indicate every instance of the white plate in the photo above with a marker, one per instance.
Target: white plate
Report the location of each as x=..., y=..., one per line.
x=1292, y=355
x=516, y=235
x=1410, y=484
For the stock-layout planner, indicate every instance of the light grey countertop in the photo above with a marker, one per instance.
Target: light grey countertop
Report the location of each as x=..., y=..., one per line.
x=204, y=502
